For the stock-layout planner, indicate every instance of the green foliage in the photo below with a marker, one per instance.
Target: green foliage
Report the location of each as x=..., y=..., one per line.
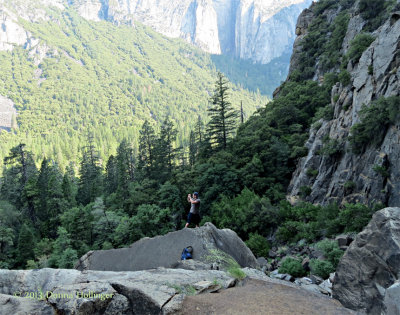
x=358, y=45
x=292, y=267
x=375, y=119
x=330, y=57
x=106, y=79
x=325, y=113
x=331, y=251
x=151, y=221
x=382, y=170
x=312, y=172
x=344, y=77
x=332, y=147
x=237, y=273
x=354, y=217
x=375, y=12
x=258, y=245
x=349, y=186
x=26, y=241
x=321, y=268
x=246, y=213
x=223, y=117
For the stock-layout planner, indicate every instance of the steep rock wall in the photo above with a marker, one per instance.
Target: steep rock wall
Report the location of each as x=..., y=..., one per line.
x=347, y=176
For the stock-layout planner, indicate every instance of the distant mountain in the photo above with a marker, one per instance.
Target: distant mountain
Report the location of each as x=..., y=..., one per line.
x=66, y=76
x=260, y=30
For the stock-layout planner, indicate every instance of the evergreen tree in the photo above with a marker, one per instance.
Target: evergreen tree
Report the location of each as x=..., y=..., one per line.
x=192, y=148
x=165, y=153
x=111, y=180
x=125, y=167
x=147, y=141
x=19, y=177
x=90, y=181
x=26, y=243
x=222, y=115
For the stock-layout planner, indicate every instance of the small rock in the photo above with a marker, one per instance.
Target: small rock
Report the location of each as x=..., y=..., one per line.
x=332, y=277
x=262, y=261
x=207, y=287
x=272, y=254
x=341, y=240
x=316, y=280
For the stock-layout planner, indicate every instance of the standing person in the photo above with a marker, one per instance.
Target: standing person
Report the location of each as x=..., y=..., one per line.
x=194, y=214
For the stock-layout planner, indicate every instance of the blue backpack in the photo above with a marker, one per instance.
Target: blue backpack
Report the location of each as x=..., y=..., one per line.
x=187, y=253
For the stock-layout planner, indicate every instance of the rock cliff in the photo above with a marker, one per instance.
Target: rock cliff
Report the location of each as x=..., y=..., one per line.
x=366, y=275
x=344, y=175
x=247, y=29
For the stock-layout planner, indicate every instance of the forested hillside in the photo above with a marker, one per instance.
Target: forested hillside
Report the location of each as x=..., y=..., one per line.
x=77, y=77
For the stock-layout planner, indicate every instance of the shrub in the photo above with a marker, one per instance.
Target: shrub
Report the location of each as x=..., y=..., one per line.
x=292, y=267
x=332, y=147
x=375, y=120
x=321, y=268
x=344, y=77
x=375, y=12
x=358, y=45
x=354, y=217
x=305, y=191
x=349, y=186
x=331, y=251
x=258, y=245
x=383, y=171
x=312, y=173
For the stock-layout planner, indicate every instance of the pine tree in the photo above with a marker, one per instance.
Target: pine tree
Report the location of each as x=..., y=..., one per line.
x=147, y=141
x=165, y=153
x=20, y=177
x=192, y=148
x=222, y=115
x=26, y=243
x=90, y=182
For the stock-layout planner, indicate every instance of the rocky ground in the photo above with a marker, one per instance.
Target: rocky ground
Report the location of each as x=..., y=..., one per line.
x=262, y=297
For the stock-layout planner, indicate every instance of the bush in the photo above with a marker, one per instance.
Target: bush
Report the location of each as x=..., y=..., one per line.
x=375, y=12
x=332, y=147
x=331, y=251
x=292, y=267
x=375, y=120
x=383, y=171
x=312, y=173
x=354, y=217
x=344, y=77
x=358, y=45
x=321, y=268
x=258, y=245
x=305, y=191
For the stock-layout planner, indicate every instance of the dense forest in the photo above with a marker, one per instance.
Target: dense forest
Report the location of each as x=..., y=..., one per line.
x=50, y=217
x=78, y=76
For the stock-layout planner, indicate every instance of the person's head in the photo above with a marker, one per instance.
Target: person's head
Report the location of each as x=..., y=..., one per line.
x=196, y=195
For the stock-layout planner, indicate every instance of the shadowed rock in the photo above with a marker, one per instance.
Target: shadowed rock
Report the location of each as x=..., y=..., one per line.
x=371, y=264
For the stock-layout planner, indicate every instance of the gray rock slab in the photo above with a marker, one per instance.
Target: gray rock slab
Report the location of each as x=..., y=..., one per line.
x=165, y=251
x=371, y=264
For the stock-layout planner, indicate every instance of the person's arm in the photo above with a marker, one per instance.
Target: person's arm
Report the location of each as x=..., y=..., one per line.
x=194, y=200
x=189, y=199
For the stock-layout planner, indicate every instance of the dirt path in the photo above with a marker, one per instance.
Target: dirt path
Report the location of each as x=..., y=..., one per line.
x=261, y=297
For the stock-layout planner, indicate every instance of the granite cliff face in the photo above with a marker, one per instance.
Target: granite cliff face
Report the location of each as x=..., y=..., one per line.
x=247, y=29
x=347, y=176
x=243, y=28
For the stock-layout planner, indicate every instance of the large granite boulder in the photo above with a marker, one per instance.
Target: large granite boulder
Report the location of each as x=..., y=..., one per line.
x=63, y=291
x=371, y=264
x=165, y=251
